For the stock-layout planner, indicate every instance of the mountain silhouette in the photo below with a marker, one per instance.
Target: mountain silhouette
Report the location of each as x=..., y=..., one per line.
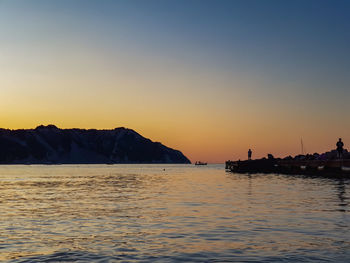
x=51, y=145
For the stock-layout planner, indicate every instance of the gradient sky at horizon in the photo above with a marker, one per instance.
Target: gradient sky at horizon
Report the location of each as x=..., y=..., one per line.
x=210, y=78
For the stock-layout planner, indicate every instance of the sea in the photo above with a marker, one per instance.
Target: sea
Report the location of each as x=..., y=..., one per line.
x=170, y=213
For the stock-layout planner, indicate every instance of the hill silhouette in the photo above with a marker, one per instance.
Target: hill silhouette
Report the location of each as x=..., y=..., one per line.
x=51, y=145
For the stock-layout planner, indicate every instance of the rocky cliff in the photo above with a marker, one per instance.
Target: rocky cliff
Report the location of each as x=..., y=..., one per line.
x=51, y=145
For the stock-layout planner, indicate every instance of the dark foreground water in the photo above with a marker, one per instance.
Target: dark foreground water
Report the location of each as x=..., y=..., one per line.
x=168, y=213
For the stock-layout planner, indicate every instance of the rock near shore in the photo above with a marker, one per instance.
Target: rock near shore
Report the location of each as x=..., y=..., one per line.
x=51, y=145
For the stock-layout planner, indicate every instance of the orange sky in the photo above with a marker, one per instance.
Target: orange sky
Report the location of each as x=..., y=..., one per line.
x=209, y=83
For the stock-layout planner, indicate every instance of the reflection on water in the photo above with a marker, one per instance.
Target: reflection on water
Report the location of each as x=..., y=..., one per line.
x=169, y=213
x=341, y=194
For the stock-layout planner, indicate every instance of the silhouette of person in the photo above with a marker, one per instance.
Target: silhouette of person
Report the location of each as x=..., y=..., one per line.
x=340, y=145
x=249, y=154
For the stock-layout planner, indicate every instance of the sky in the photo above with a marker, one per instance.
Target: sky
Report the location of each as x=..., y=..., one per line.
x=209, y=78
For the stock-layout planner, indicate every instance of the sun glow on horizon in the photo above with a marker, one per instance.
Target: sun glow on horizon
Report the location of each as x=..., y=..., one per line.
x=209, y=79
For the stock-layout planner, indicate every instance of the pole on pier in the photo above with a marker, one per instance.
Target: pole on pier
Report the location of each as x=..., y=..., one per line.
x=302, y=146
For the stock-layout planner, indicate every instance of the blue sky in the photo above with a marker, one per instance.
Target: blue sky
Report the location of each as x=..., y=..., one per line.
x=284, y=62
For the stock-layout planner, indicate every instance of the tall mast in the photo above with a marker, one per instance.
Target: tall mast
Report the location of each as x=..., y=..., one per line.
x=302, y=146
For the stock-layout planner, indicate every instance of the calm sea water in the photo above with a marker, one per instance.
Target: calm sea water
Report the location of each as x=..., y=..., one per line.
x=169, y=213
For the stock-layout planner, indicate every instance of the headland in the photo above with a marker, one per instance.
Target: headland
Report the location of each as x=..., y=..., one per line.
x=51, y=145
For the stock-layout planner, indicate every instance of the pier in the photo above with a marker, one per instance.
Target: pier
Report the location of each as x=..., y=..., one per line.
x=303, y=167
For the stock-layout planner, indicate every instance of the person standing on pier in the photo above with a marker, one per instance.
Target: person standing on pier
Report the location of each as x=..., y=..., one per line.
x=340, y=145
x=249, y=154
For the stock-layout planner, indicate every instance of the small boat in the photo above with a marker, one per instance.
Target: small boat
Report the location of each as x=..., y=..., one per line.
x=345, y=169
x=320, y=167
x=200, y=163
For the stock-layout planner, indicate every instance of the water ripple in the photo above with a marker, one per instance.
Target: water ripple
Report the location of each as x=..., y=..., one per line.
x=169, y=213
